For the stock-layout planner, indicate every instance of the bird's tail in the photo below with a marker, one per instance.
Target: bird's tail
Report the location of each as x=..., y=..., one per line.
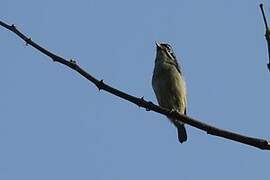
x=182, y=134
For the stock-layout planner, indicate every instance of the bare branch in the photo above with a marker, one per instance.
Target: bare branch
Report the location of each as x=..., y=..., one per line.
x=256, y=142
x=264, y=18
x=267, y=34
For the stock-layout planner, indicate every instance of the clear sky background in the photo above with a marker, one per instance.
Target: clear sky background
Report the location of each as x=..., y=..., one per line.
x=55, y=125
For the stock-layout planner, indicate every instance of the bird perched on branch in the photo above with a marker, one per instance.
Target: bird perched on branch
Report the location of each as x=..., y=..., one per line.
x=169, y=85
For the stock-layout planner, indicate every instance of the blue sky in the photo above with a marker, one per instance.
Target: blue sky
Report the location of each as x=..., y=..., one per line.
x=56, y=125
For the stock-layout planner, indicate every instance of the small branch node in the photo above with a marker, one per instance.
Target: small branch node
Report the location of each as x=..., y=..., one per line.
x=27, y=41
x=100, y=84
x=140, y=101
x=150, y=104
x=73, y=61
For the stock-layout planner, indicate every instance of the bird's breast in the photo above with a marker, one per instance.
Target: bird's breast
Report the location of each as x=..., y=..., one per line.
x=169, y=87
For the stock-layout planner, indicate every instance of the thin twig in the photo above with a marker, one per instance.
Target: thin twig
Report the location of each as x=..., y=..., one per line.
x=267, y=34
x=264, y=18
x=256, y=142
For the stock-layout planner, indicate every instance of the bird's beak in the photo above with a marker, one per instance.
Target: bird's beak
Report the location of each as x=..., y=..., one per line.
x=158, y=45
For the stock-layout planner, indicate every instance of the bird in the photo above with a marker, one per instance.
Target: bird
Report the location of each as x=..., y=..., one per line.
x=169, y=85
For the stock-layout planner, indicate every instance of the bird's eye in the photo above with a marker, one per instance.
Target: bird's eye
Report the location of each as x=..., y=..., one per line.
x=169, y=49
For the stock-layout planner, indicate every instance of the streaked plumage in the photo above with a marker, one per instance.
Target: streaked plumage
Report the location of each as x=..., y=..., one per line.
x=169, y=84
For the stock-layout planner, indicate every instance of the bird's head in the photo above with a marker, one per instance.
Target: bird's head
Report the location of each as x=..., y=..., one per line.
x=166, y=55
x=164, y=52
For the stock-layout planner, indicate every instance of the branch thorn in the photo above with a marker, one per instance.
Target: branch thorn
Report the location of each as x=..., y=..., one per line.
x=27, y=41
x=72, y=61
x=100, y=84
